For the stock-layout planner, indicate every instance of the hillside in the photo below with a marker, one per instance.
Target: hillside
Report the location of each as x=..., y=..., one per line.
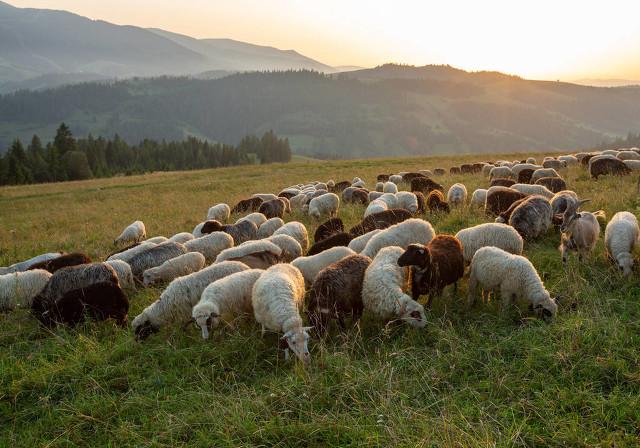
x=390, y=110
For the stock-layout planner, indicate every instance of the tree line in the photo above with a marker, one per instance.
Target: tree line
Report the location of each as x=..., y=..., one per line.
x=67, y=158
x=630, y=141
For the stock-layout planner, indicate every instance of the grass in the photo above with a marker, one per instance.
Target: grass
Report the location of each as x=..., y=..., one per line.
x=470, y=378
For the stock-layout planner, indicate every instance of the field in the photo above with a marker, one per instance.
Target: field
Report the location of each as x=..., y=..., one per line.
x=471, y=378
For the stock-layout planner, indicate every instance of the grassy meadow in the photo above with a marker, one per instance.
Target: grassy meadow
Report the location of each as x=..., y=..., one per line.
x=470, y=378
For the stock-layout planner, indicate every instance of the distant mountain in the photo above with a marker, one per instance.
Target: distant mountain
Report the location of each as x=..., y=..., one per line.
x=389, y=110
x=47, y=44
x=608, y=82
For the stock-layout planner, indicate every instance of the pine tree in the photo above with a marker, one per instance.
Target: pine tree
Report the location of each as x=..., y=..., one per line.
x=64, y=140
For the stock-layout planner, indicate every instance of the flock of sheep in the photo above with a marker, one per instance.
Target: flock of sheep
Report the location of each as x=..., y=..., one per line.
x=264, y=267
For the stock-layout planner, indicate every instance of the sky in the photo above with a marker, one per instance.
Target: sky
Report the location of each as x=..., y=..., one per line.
x=541, y=39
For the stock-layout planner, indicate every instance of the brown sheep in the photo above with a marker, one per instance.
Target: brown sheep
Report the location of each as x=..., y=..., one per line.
x=454, y=170
x=422, y=202
x=477, y=167
x=274, y=208
x=505, y=215
x=439, y=171
x=287, y=194
x=501, y=182
x=360, y=196
x=425, y=185
x=383, y=177
x=73, y=259
x=211, y=226
x=380, y=220
x=603, y=167
x=436, y=265
x=251, y=204
x=500, y=199
x=328, y=228
x=241, y=232
x=408, y=177
x=338, y=239
x=584, y=162
x=340, y=186
x=466, y=168
x=524, y=176
x=554, y=184
x=436, y=202
x=337, y=292
x=553, y=163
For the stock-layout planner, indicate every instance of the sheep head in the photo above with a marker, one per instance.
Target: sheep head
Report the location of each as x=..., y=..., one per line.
x=149, y=278
x=413, y=314
x=298, y=342
x=625, y=263
x=547, y=308
x=415, y=255
x=143, y=328
x=206, y=319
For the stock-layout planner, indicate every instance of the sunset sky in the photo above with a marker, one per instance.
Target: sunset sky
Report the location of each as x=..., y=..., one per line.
x=544, y=39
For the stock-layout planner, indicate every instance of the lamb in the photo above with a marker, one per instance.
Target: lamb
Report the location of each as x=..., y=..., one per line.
x=274, y=208
x=63, y=261
x=402, y=234
x=337, y=292
x=128, y=254
x=257, y=218
x=24, y=265
x=492, y=268
x=328, y=228
x=532, y=218
x=18, y=289
x=436, y=202
x=383, y=290
x=123, y=272
x=309, y=266
x=265, y=196
x=580, y=231
x=434, y=266
x=502, y=236
x=298, y=231
x=327, y=204
x=501, y=171
x=407, y=201
x=211, y=245
x=256, y=254
x=358, y=244
x=555, y=184
x=177, y=300
x=502, y=182
x=156, y=255
x=291, y=249
x=251, y=204
x=335, y=240
x=133, y=233
x=173, y=268
x=219, y=212
x=227, y=297
x=608, y=166
x=500, y=199
x=389, y=187
x=242, y=231
x=267, y=228
x=543, y=172
x=376, y=206
x=277, y=298
x=529, y=189
x=380, y=220
x=478, y=198
x=457, y=195
x=620, y=238
x=425, y=185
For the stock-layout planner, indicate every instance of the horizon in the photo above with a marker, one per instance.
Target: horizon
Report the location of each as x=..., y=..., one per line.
x=567, y=50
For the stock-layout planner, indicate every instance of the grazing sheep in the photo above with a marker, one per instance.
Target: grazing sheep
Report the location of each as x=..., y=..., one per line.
x=396, y=178
x=267, y=228
x=561, y=200
x=291, y=249
x=501, y=171
x=380, y=220
x=211, y=245
x=537, y=189
x=340, y=186
x=457, y=195
x=454, y=170
x=506, y=215
x=620, y=238
x=299, y=201
x=486, y=169
x=492, y=268
x=407, y=201
x=439, y=171
x=157, y=240
x=265, y=196
x=173, y=268
x=401, y=235
x=360, y=196
x=499, y=199
x=489, y=234
x=389, y=187
x=277, y=298
x=228, y=297
x=256, y=254
x=358, y=244
x=133, y=233
x=257, y=218
x=123, y=272
x=608, y=166
x=156, y=255
x=24, y=265
x=390, y=199
x=245, y=205
x=555, y=184
x=242, y=231
x=327, y=204
x=335, y=240
x=580, y=231
x=628, y=155
x=328, y=228
x=478, y=198
x=383, y=290
x=128, y=254
x=310, y=266
x=298, y=231
x=376, y=206
x=466, y=168
x=219, y=212
x=532, y=218
x=182, y=237
x=347, y=194
x=275, y=208
x=206, y=227
x=436, y=202
x=525, y=176
x=543, y=172
x=425, y=185
x=18, y=289
x=555, y=164
x=63, y=261
x=590, y=160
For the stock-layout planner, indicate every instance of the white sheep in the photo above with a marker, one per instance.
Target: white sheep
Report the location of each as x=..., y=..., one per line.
x=210, y=245
x=390, y=199
x=380, y=187
x=325, y=205
x=25, y=265
x=478, y=198
x=389, y=187
x=226, y=298
x=297, y=231
x=358, y=244
x=375, y=206
x=259, y=254
x=499, y=235
x=265, y=196
x=396, y=178
x=277, y=299
x=632, y=164
x=359, y=184
x=513, y=275
x=182, y=237
x=543, y=172
x=257, y=218
x=384, y=286
x=128, y=254
x=569, y=160
x=517, y=168
x=124, y=273
x=219, y=212
x=176, y=267
x=500, y=172
x=267, y=228
x=580, y=230
x=407, y=201
x=373, y=195
x=18, y=289
x=133, y=233
x=486, y=170
x=175, y=302
x=411, y=231
x=533, y=189
x=291, y=249
x=457, y=195
x=311, y=265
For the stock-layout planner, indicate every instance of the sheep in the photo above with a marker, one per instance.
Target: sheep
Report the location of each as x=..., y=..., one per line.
x=531, y=160
x=156, y=255
x=242, y=231
x=175, y=267
x=220, y=212
x=500, y=199
x=633, y=165
x=291, y=249
x=608, y=166
x=454, y=170
x=439, y=171
x=478, y=198
x=425, y=185
x=347, y=194
x=337, y=292
x=358, y=244
x=408, y=177
x=251, y=204
x=457, y=195
x=436, y=202
x=389, y=187
x=506, y=215
x=123, y=272
x=501, y=171
x=18, y=289
x=206, y=227
x=489, y=234
x=569, y=160
x=610, y=152
x=380, y=220
x=328, y=228
x=257, y=218
x=133, y=233
x=486, y=169
x=396, y=178
x=63, y=261
x=383, y=289
x=24, y=265
x=227, y=297
x=128, y=254
x=421, y=201
x=515, y=276
x=620, y=238
x=265, y=196
x=537, y=189
x=543, y=172
x=335, y=240
x=256, y=254
x=211, y=245
x=532, y=218
x=298, y=231
x=390, y=199
x=407, y=201
x=277, y=298
x=382, y=178
x=380, y=187
x=267, y=228
x=501, y=182
x=402, y=234
x=327, y=204
x=375, y=206
x=157, y=240
x=595, y=157
x=554, y=184
x=561, y=200
x=525, y=176
x=466, y=168
x=274, y=208
x=628, y=155
x=580, y=231
x=177, y=300
x=359, y=184
x=310, y=265
x=360, y=196
x=339, y=186
x=555, y=164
